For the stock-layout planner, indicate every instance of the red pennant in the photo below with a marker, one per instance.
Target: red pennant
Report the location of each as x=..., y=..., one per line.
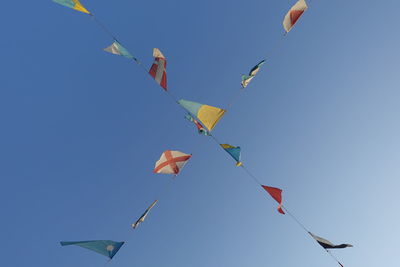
x=276, y=194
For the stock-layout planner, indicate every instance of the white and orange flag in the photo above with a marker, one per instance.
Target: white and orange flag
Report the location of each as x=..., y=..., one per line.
x=294, y=14
x=159, y=68
x=171, y=162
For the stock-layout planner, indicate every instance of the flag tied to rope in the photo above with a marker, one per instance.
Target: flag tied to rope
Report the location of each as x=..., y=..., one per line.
x=171, y=162
x=159, y=68
x=144, y=215
x=276, y=194
x=107, y=248
x=74, y=4
x=246, y=79
x=294, y=14
x=327, y=244
x=234, y=151
x=207, y=115
x=117, y=49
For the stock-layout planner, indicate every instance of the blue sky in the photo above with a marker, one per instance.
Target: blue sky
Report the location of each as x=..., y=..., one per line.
x=82, y=129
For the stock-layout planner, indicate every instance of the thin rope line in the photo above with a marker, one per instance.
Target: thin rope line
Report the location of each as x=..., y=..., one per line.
x=294, y=218
x=333, y=257
x=251, y=175
x=165, y=189
x=234, y=98
x=108, y=32
x=103, y=27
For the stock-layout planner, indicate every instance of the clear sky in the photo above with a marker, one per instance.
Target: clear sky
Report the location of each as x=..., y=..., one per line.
x=81, y=130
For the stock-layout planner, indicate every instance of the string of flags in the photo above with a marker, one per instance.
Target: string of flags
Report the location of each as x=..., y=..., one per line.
x=205, y=118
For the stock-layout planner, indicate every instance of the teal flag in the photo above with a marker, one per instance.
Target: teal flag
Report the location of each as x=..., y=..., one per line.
x=234, y=151
x=117, y=49
x=104, y=247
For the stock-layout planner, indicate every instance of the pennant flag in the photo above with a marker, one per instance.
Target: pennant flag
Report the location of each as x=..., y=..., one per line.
x=159, y=68
x=276, y=194
x=144, y=215
x=104, y=247
x=200, y=127
x=74, y=4
x=208, y=115
x=171, y=162
x=294, y=14
x=117, y=49
x=326, y=244
x=234, y=152
x=247, y=78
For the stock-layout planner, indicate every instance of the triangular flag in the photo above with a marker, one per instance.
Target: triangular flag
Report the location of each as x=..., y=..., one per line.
x=117, y=49
x=159, y=68
x=104, y=247
x=276, y=194
x=208, y=115
x=74, y=4
x=327, y=244
x=234, y=151
x=294, y=14
x=144, y=215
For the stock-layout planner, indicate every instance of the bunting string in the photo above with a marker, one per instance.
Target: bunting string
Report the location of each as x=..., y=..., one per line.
x=290, y=19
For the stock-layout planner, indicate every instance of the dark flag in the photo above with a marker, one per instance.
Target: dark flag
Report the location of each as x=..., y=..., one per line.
x=328, y=245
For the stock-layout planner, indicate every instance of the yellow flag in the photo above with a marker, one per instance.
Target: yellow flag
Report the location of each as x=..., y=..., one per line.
x=78, y=6
x=208, y=115
x=74, y=4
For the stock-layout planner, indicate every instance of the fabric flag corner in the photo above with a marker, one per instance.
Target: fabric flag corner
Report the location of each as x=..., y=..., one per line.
x=294, y=14
x=209, y=116
x=74, y=4
x=159, y=68
x=117, y=49
x=276, y=194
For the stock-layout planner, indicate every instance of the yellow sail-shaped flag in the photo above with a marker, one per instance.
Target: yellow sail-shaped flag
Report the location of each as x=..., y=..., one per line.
x=74, y=4
x=208, y=115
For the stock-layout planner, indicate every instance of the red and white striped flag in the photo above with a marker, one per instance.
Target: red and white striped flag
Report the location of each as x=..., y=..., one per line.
x=159, y=68
x=294, y=14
